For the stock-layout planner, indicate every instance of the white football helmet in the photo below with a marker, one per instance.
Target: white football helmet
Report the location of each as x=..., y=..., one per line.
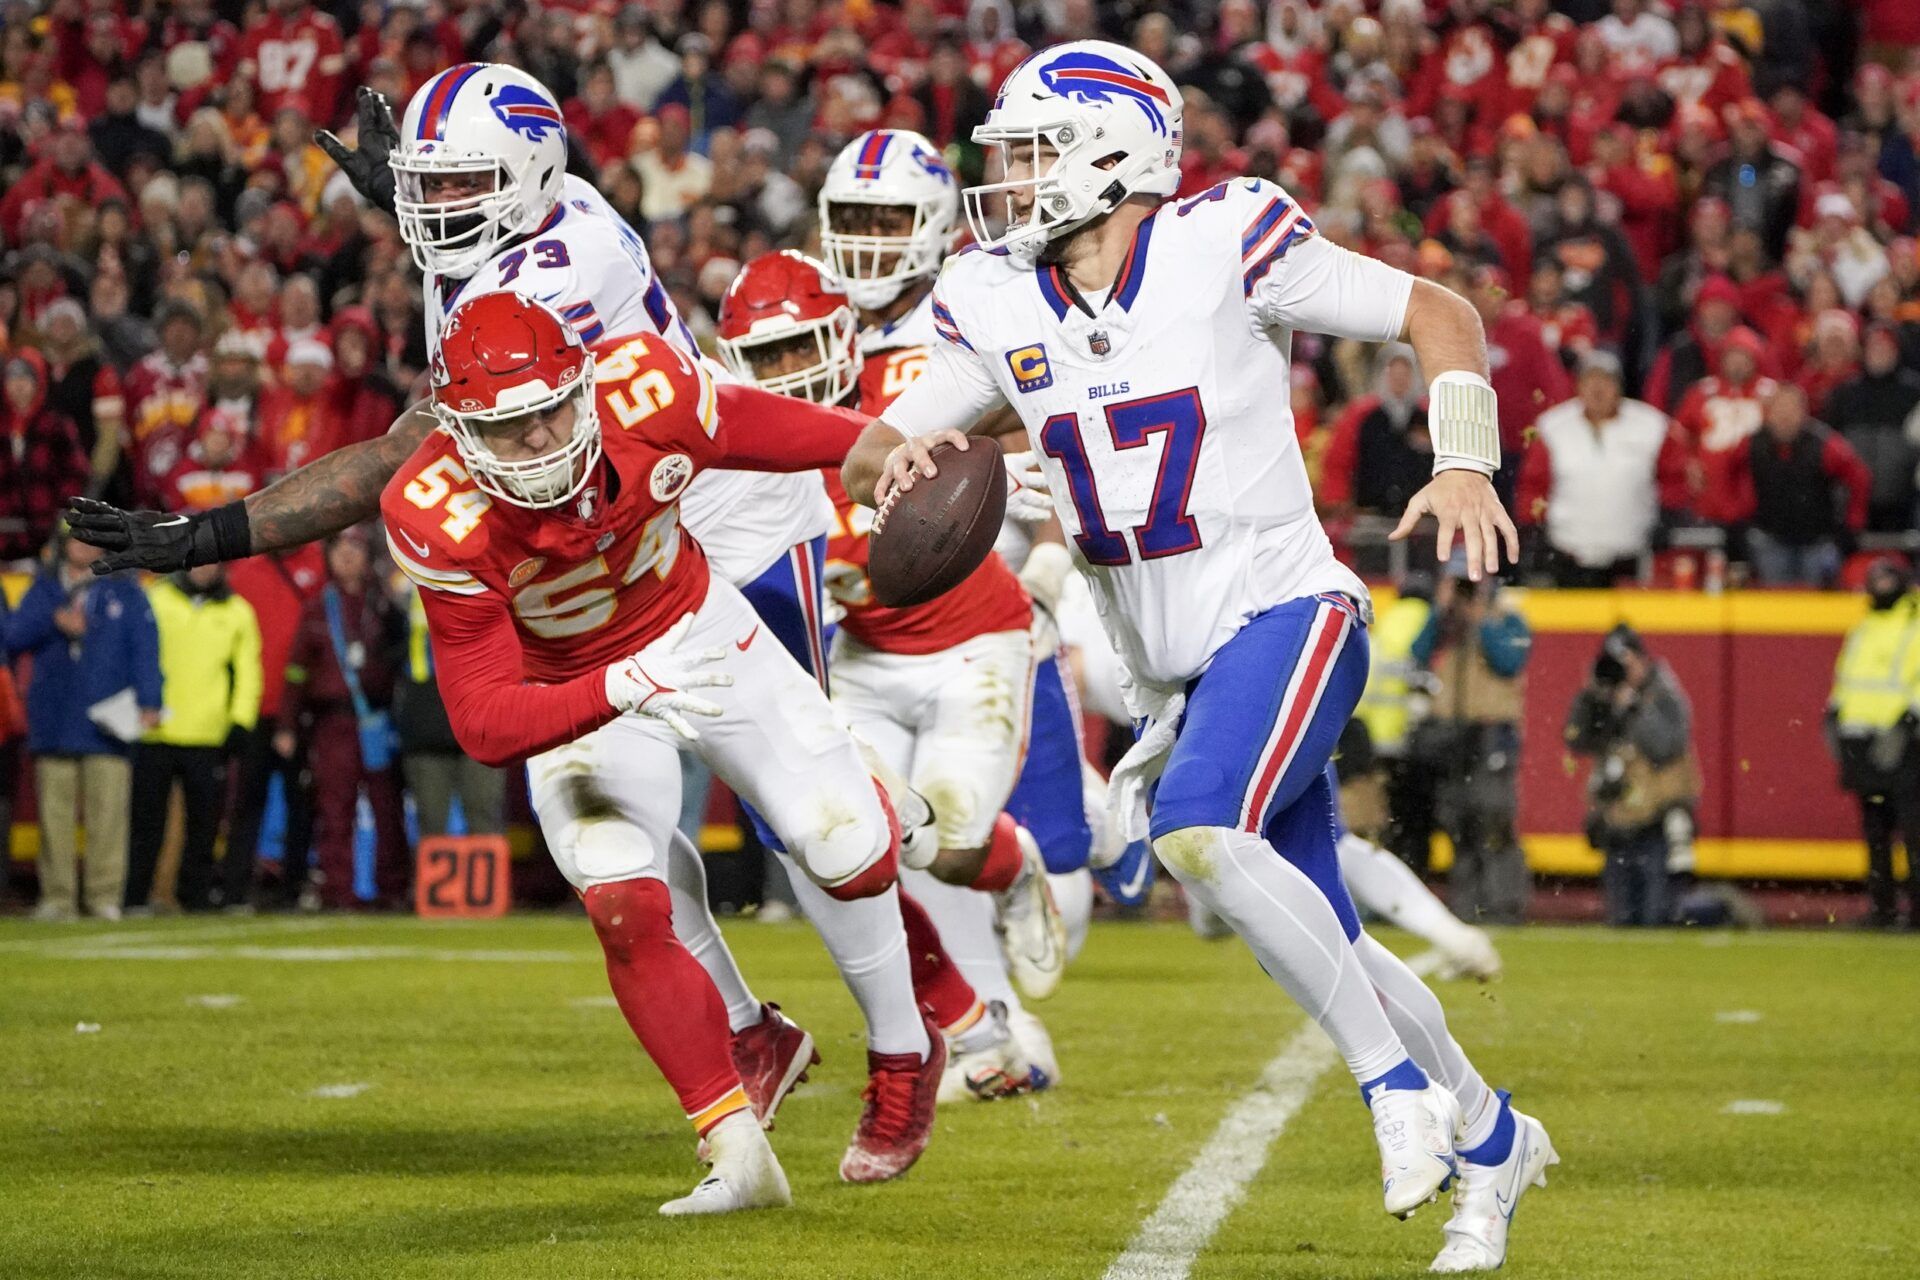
x=1112, y=119
x=886, y=167
x=486, y=122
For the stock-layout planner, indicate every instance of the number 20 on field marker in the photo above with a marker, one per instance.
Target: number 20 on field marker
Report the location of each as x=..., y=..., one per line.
x=462, y=877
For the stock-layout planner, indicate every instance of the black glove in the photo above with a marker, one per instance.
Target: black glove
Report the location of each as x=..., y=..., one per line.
x=367, y=166
x=158, y=541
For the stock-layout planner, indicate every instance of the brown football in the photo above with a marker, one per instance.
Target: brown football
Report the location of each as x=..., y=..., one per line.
x=940, y=530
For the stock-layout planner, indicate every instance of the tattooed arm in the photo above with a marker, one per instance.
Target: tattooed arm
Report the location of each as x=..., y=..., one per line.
x=329, y=494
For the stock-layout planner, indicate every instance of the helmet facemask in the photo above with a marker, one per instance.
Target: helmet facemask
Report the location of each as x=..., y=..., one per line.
x=874, y=267
x=455, y=237
x=1068, y=193
x=551, y=478
x=825, y=376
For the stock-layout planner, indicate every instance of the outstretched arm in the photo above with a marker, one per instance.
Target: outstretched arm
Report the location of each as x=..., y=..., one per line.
x=331, y=493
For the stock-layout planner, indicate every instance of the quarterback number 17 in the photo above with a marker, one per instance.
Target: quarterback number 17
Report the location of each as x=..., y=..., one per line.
x=1168, y=530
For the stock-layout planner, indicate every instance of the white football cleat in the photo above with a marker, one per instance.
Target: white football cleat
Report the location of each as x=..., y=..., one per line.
x=1033, y=937
x=992, y=1066
x=1485, y=1197
x=1415, y=1129
x=746, y=1174
x=1470, y=953
x=1037, y=1045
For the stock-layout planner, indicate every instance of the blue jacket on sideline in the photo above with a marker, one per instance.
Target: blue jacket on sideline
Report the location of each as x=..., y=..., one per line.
x=121, y=647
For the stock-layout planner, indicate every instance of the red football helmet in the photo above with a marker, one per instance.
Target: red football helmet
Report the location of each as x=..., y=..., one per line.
x=783, y=307
x=502, y=356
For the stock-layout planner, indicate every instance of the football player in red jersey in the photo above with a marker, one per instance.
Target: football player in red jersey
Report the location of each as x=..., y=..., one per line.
x=940, y=690
x=576, y=626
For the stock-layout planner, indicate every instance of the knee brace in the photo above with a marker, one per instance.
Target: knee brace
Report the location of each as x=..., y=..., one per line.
x=629, y=916
x=846, y=860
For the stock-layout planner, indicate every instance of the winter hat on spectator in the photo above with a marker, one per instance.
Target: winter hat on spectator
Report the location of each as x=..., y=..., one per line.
x=1600, y=360
x=1835, y=203
x=240, y=344
x=1716, y=289
x=1741, y=338
x=189, y=65
x=310, y=351
x=63, y=309
x=175, y=309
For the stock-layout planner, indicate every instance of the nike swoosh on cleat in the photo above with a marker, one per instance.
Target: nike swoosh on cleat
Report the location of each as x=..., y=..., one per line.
x=1132, y=887
x=741, y=645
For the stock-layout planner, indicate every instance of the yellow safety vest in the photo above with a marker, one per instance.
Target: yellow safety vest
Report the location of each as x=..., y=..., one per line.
x=1877, y=677
x=1383, y=707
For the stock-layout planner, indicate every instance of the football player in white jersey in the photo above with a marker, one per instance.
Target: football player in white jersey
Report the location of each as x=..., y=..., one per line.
x=1144, y=342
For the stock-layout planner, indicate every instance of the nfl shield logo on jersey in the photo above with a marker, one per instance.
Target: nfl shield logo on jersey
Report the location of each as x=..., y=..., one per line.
x=1097, y=342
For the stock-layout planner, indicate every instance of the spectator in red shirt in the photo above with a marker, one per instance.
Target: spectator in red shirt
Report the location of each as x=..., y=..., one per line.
x=1800, y=125
x=66, y=173
x=166, y=394
x=295, y=57
x=1720, y=414
x=1806, y=495
x=598, y=118
x=1501, y=221
x=220, y=466
x=41, y=462
x=1648, y=189
x=1835, y=356
x=1694, y=352
x=299, y=419
x=364, y=395
x=278, y=587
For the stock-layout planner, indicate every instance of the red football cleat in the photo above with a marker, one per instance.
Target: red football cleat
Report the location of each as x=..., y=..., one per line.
x=772, y=1056
x=898, y=1118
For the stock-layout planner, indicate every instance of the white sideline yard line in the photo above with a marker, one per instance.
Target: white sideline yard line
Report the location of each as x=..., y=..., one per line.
x=1215, y=1183
x=111, y=939
x=331, y=955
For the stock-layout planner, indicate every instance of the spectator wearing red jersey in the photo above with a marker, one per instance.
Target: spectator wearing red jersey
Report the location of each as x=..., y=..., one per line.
x=299, y=418
x=1834, y=359
x=166, y=393
x=1600, y=475
x=220, y=466
x=278, y=587
x=318, y=707
x=41, y=462
x=1526, y=373
x=599, y=119
x=66, y=174
x=295, y=58
x=1797, y=123
x=1648, y=189
x=361, y=390
x=1720, y=414
x=91, y=52
x=1693, y=353
x=84, y=387
x=1806, y=495
x=1705, y=69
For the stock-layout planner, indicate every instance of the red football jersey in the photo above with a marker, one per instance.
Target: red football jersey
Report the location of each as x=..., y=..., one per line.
x=163, y=406
x=1720, y=419
x=295, y=61
x=991, y=599
x=518, y=598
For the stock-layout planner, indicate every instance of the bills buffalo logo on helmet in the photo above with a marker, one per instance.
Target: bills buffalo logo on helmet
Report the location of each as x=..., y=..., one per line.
x=524, y=111
x=1089, y=77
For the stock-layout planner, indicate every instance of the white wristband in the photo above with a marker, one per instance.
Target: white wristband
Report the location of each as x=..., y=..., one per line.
x=1463, y=420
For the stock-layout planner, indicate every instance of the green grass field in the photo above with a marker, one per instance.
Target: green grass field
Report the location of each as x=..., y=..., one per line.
x=389, y=1098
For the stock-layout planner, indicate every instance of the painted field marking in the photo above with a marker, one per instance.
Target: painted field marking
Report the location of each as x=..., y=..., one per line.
x=1215, y=1183
x=1738, y=1016
x=1754, y=1107
x=59, y=946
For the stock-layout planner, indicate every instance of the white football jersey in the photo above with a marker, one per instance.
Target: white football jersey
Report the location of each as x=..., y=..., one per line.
x=1161, y=410
x=591, y=267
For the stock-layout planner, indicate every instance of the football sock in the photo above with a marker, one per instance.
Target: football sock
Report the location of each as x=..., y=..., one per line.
x=965, y=921
x=694, y=925
x=937, y=981
x=1421, y=1024
x=666, y=997
x=1293, y=932
x=1404, y=1075
x=1004, y=857
x=868, y=944
x=1387, y=887
x=1497, y=1144
x=919, y=842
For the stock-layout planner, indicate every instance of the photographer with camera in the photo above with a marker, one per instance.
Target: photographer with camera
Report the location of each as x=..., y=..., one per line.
x=1476, y=650
x=1633, y=719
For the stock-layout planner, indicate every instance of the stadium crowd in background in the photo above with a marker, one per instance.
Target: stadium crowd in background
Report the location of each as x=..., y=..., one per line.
x=1690, y=230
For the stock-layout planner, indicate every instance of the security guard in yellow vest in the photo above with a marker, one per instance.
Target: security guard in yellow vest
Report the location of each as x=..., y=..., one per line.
x=1390, y=708
x=1873, y=724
